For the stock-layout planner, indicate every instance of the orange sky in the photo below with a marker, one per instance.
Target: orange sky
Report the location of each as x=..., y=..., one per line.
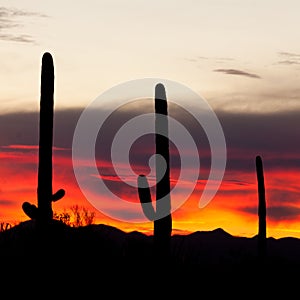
x=234, y=208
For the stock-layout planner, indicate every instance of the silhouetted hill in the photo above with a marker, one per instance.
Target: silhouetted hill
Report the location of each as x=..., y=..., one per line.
x=94, y=252
x=101, y=243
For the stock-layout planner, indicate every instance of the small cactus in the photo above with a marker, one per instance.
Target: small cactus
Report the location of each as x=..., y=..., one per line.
x=262, y=225
x=43, y=211
x=161, y=214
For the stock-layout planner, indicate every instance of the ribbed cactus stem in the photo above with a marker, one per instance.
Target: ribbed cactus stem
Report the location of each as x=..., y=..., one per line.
x=262, y=224
x=43, y=212
x=163, y=225
x=161, y=214
x=44, y=189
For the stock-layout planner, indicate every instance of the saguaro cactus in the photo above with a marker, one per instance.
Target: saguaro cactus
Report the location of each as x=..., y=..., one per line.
x=262, y=224
x=161, y=214
x=43, y=212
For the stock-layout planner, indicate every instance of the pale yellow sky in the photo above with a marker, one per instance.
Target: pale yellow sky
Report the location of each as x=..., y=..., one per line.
x=238, y=55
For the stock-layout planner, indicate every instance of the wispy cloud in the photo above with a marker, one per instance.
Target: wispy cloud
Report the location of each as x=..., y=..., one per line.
x=207, y=58
x=17, y=38
x=289, y=62
x=237, y=72
x=289, y=54
x=11, y=18
x=289, y=58
x=218, y=59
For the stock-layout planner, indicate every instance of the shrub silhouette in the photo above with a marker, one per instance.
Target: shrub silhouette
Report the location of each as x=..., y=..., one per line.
x=5, y=226
x=161, y=214
x=76, y=216
x=43, y=212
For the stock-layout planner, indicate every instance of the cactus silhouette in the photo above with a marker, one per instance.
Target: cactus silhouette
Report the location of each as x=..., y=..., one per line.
x=161, y=214
x=262, y=225
x=43, y=212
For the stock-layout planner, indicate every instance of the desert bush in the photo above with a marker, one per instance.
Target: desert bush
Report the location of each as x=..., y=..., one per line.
x=75, y=216
x=5, y=226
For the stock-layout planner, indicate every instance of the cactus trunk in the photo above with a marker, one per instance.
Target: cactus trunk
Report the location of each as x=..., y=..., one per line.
x=161, y=214
x=163, y=225
x=43, y=212
x=262, y=225
x=44, y=189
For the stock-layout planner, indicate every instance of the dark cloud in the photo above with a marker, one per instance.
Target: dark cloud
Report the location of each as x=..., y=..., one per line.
x=238, y=182
x=11, y=18
x=283, y=213
x=278, y=213
x=236, y=72
x=7, y=203
x=275, y=133
x=274, y=136
x=22, y=128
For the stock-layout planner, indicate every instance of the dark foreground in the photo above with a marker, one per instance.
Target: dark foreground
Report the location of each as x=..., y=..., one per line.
x=214, y=261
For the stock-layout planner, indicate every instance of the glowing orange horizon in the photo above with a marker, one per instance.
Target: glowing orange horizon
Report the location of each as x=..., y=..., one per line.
x=234, y=207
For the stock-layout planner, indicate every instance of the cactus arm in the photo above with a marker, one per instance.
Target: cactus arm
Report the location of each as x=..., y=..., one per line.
x=58, y=195
x=30, y=210
x=145, y=197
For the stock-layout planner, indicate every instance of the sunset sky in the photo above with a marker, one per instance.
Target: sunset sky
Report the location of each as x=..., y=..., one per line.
x=242, y=57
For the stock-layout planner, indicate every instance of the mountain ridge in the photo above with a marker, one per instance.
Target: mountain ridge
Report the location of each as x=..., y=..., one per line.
x=197, y=248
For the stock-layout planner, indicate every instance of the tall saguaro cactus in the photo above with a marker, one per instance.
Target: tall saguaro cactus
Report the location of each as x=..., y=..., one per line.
x=262, y=224
x=43, y=212
x=161, y=213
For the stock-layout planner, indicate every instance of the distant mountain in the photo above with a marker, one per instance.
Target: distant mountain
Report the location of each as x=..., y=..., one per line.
x=105, y=254
x=99, y=241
